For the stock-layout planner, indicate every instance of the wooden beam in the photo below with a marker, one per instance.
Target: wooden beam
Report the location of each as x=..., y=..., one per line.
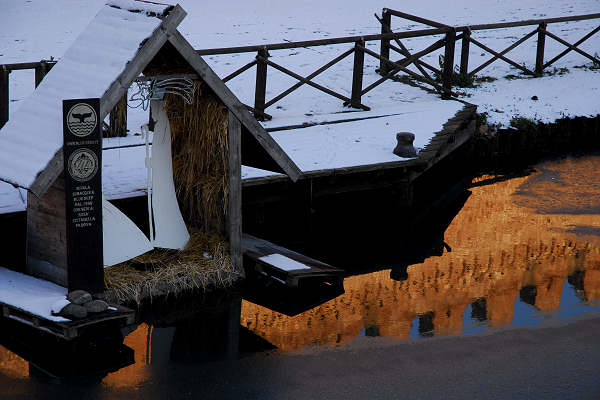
x=577, y=43
x=144, y=55
x=415, y=18
x=357, y=74
x=506, y=59
x=309, y=77
x=384, y=49
x=260, y=90
x=503, y=52
x=41, y=71
x=321, y=42
x=402, y=48
x=234, y=105
x=570, y=46
x=118, y=119
x=4, y=96
x=464, y=52
x=448, y=69
x=315, y=85
x=539, y=56
x=239, y=71
x=234, y=214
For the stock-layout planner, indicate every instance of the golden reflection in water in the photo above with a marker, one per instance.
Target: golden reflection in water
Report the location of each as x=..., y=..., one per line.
x=134, y=374
x=532, y=231
x=13, y=366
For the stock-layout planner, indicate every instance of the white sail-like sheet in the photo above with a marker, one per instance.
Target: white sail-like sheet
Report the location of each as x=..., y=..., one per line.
x=170, y=231
x=123, y=240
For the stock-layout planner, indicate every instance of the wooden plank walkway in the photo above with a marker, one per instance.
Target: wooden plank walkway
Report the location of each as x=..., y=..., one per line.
x=286, y=266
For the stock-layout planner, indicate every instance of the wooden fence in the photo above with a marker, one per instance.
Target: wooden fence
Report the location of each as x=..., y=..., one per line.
x=466, y=34
x=441, y=81
x=442, y=78
x=118, y=117
x=41, y=69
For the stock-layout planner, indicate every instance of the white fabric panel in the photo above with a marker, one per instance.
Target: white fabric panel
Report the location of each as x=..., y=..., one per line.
x=169, y=227
x=123, y=240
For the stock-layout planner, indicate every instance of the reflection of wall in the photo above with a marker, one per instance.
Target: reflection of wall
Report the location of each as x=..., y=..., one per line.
x=498, y=247
x=13, y=366
x=136, y=373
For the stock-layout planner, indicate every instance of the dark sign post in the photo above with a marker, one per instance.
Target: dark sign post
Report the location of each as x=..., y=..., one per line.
x=82, y=152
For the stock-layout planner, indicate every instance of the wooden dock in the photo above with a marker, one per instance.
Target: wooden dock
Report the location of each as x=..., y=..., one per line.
x=120, y=316
x=286, y=266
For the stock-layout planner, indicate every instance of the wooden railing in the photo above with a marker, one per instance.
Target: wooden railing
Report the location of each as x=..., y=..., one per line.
x=441, y=81
x=118, y=122
x=41, y=69
x=466, y=33
x=358, y=50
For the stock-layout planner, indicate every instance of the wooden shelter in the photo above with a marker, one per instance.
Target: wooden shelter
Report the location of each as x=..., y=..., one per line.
x=138, y=39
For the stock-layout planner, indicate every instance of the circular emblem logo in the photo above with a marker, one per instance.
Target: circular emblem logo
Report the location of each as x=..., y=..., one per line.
x=83, y=165
x=81, y=119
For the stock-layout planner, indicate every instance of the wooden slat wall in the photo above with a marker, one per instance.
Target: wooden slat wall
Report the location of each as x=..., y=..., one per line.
x=46, y=234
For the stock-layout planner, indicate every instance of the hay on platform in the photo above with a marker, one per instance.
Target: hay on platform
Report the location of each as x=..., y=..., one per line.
x=204, y=262
x=200, y=157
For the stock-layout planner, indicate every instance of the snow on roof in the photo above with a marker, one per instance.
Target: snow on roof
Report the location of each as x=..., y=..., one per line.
x=33, y=135
x=150, y=8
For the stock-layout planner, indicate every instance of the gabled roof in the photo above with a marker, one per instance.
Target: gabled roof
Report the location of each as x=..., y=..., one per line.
x=108, y=55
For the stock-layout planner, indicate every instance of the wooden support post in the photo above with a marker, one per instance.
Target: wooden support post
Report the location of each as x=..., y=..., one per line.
x=385, y=43
x=448, y=64
x=41, y=71
x=260, y=91
x=4, y=99
x=234, y=213
x=357, y=73
x=233, y=327
x=118, y=119
x=464, y=52
x=539, y=59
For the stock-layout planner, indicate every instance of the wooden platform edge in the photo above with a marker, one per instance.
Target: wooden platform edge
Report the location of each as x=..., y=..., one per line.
x=254, y=248
x=67, y=330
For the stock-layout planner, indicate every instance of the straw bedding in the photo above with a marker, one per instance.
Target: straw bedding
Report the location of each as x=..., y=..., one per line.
x=204, y=262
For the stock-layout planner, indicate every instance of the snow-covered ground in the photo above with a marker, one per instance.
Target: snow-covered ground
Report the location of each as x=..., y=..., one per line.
x=35, y=29
x=31, y=30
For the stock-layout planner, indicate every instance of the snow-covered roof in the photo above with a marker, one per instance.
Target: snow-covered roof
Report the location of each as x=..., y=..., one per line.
x=32, y=137
x=101, y=63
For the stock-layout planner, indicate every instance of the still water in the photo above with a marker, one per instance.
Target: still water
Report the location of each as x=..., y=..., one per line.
x=522, y=251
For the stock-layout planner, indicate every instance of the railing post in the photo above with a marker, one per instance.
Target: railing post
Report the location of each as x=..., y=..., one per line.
x=118, y=119
x=539, y=58
x=384, y=51
x=4, y=99
x=260, y=91
x=40, y=72
x=448, y=64
x=464, y=52
x=357, y=74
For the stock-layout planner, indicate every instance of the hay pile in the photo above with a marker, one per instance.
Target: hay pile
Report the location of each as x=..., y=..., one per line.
x=205, y=261
x=200, y=158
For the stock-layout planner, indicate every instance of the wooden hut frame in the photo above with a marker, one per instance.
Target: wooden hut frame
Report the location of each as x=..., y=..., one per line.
x=165, y=52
